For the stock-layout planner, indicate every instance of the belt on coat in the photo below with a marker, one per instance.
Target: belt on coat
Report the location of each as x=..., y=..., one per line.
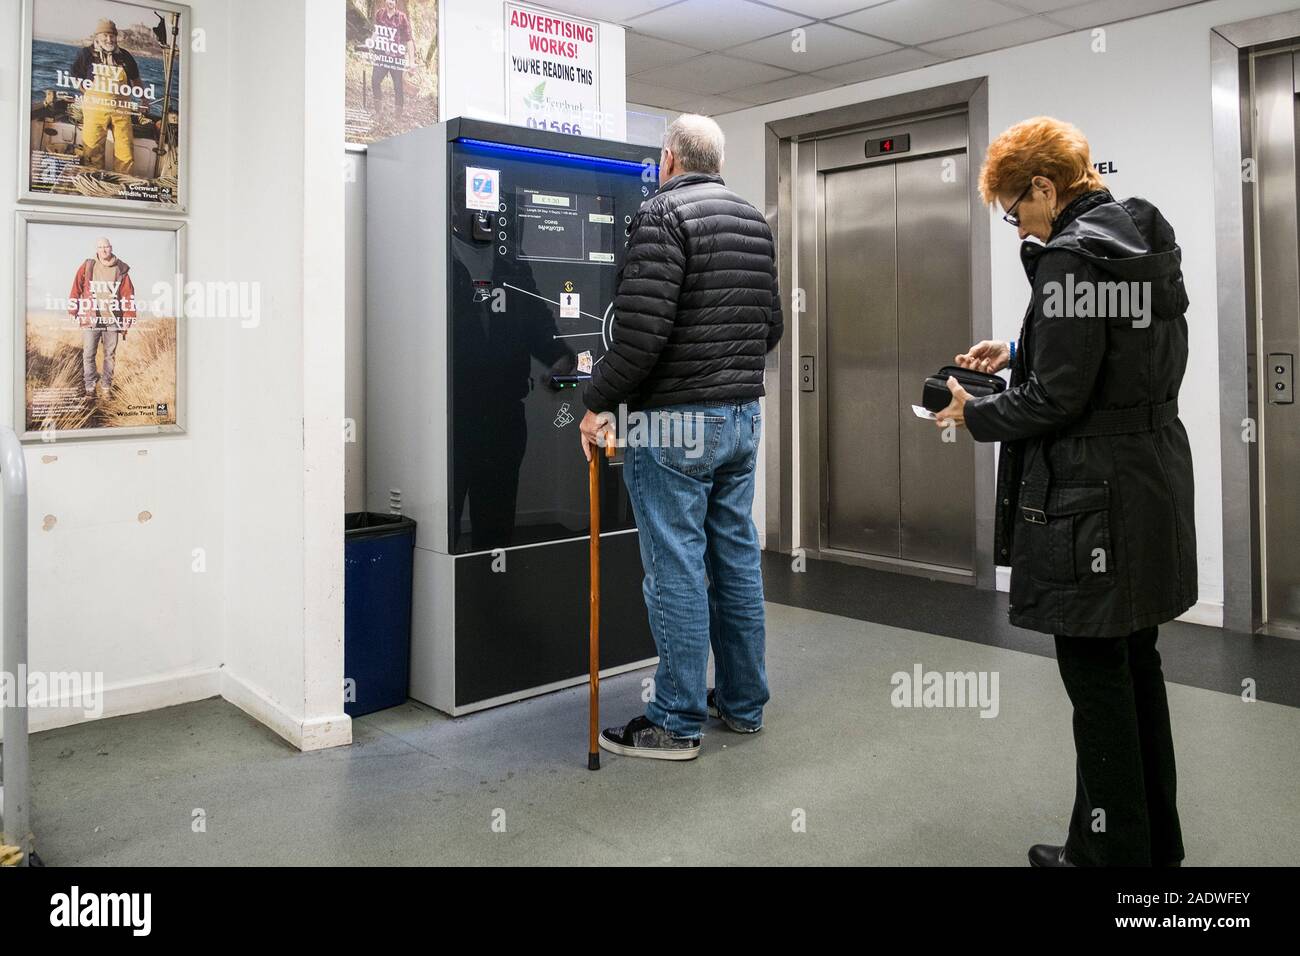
x=1109, y=421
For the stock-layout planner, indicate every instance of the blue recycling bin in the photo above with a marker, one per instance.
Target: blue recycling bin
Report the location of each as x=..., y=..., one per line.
x=378, y=551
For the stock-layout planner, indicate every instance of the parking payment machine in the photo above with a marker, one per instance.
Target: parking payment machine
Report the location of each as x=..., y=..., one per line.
x=493, y=255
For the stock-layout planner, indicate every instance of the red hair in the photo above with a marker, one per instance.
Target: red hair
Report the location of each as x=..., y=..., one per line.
x=1041, y=146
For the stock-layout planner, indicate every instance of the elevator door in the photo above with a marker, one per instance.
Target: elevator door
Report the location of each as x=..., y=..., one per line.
x=1277, y=337
x=896, y=308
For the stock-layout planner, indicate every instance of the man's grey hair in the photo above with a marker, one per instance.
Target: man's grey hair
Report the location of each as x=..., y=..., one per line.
x=697, y=142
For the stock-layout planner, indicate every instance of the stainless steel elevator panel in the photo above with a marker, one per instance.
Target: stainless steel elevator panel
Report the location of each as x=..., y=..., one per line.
x=861, y=368
x=1277, y=335
x=895, y=305
x=936, y=477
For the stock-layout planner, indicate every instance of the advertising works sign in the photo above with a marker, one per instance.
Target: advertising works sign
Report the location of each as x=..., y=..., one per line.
x=552, y=71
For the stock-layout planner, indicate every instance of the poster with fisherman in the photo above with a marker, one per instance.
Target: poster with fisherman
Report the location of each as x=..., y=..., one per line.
x=392, y=68
x=106, y=84
x=101, y=348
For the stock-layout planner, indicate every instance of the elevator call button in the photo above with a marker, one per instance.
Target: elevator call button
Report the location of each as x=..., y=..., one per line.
x=1281, y=382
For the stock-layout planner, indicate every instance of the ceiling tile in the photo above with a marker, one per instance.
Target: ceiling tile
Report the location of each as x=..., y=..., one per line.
x=1109, y=11
x=712, y=73
x=611, y=11
x=821, y=45
x=788, y=88
x=825, y=9
x=1042, y=6
x=651, y=94
x=715, y=23
x=883, y=65
x=918, y=21
x=712, y=105
x=646, y=53
x=995, y=38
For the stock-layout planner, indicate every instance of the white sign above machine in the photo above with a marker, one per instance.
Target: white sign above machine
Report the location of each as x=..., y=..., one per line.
x=552, y=71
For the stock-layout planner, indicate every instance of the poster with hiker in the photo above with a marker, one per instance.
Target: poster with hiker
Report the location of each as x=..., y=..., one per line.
x=100, y=351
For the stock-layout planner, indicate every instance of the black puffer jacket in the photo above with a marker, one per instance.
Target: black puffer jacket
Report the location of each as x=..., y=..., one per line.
x=697, y=306
x=1095, y=476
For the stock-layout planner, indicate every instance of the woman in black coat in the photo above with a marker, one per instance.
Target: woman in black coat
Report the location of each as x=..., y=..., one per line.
x=1095, y=488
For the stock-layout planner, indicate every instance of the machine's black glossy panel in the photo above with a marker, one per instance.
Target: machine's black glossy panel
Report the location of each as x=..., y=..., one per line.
x=527, y=626
x=558, y=230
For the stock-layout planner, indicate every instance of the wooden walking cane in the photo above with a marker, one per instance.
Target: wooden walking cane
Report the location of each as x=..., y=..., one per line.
x=593, y=665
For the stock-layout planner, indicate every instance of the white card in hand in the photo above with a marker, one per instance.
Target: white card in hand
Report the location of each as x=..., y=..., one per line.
x=920, y=412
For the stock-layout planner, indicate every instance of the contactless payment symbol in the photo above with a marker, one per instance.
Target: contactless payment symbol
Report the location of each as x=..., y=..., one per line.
x=481, y=188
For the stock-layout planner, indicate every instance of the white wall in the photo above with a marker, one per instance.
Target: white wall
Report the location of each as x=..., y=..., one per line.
x=108, y=592
x=1145, y=105
x=249, y=483
x=284, y=378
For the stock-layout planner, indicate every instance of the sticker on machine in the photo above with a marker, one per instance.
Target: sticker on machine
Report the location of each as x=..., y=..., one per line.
x=482, y=188
x=584, y=362
x=569, y=305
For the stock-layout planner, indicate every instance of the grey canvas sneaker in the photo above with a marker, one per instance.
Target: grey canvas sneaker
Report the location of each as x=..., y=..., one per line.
x=640, y=738
x=734, y=727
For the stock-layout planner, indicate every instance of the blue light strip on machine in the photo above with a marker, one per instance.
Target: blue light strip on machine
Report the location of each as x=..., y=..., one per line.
x=624, y=164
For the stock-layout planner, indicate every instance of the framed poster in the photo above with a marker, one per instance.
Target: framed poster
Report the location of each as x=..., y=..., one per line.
x=105, y=103
x=99, y=344
x=392, y=68
x=552, y=71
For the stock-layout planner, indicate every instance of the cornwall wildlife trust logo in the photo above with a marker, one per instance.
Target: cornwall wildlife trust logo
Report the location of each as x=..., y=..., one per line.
x=536, y=99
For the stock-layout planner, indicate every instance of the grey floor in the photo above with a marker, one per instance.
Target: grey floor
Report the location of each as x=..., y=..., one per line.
x=875, y=784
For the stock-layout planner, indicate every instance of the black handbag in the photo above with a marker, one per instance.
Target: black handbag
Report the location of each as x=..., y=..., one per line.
x=936, y=397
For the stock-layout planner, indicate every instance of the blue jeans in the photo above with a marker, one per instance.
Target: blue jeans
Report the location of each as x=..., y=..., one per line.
x=692, y=496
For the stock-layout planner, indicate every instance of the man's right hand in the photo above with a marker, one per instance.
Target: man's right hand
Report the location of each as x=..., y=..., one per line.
x=595, y=429
x=987, y=356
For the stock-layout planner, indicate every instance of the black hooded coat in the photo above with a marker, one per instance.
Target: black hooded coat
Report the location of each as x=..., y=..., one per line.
x=1095, y=491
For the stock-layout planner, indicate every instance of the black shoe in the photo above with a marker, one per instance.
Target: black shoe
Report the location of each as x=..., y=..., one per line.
x=640, y=738
x=1041, y=854
x=712, y=701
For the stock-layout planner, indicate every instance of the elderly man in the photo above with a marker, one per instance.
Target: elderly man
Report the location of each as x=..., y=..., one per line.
x=102, y=301
x=696, y=312
x=105, y=104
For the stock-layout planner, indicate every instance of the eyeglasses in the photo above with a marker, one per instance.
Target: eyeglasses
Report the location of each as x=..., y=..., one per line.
x=1010, y=215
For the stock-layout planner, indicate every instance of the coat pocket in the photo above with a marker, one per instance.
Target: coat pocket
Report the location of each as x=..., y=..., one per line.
x=1073, y=547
